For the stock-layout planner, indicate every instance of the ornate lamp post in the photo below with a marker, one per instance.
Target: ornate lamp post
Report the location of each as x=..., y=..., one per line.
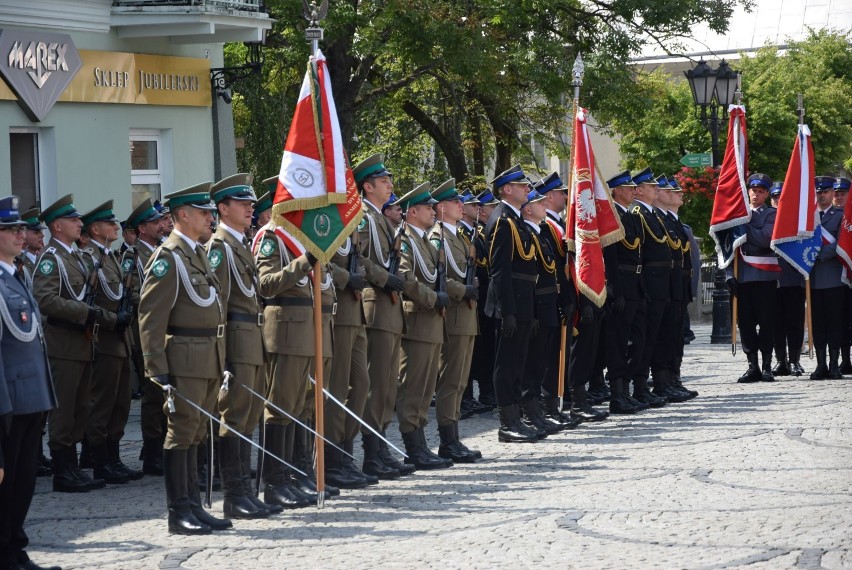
x=712, y=91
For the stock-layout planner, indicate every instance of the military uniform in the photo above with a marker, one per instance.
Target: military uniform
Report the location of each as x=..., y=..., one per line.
x=827, y=292
x=239, y=409
x=111, y=369
x=349, y=381
x=288, y=334
x=460, y=328
x=182, y=329
x=26, y=393
x=385, y=323
x=151, y=417
x=60, y=287
x=420, y=353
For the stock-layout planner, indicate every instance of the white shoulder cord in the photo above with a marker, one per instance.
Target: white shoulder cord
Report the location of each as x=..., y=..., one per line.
x=247, y=291
x=190, y=290
x=377, y=245
x=452, y=262
x=63, y=277
x=345, y=248
x=112, y=296
x=19, y=334
x=429, y=277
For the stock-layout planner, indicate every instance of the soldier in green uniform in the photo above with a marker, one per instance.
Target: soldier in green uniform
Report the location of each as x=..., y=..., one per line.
x=420, y=354
x=111, y=370
x=232, y=261
x=460, y=323
x=182, y=329
x=263, y=206
x=383, y=313
x=148, y=224
x=33, y=244
x=288, y=334
x=59, y=286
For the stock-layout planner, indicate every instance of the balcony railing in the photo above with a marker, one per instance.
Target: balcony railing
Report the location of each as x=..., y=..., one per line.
x=196, y=5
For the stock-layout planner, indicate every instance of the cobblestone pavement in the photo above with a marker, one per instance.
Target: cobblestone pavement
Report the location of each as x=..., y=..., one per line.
x=755, y=475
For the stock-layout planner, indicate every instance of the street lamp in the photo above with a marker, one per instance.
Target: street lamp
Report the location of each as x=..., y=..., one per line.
x=712, y=91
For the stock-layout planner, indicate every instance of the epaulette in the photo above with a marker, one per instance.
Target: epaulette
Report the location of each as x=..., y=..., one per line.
x=636, y=210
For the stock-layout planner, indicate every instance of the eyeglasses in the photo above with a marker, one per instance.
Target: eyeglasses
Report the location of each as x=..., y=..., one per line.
x=15, y=229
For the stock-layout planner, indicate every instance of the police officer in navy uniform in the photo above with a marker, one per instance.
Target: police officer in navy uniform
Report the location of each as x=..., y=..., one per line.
x=26, y=392
x=511, y=298
x=789, y=311
x=756, y=286
x=841, y=195
x=827, y=289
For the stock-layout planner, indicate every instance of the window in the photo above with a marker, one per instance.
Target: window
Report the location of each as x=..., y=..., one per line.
x=24, y=166
x=146, y=176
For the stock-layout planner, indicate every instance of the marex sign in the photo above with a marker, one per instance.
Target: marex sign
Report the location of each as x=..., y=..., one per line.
x=38, y=67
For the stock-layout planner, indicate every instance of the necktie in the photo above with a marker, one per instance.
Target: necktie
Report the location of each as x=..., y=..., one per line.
x=821, y=213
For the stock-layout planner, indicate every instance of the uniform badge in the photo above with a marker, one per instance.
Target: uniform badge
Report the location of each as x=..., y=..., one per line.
x=46, y=267
x=404, y=247
x=363, y=223
x=160, y=267
x=267, y=247
x=215, y=258
x=127, y=265
x=436, y=243
x=24, y=317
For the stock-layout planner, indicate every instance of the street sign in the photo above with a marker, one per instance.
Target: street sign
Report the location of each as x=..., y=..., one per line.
x=697, y=160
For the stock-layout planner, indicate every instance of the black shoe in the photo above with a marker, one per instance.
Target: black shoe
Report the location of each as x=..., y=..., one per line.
x=176, y=477
x=636, y=403
x=535, y=420
x=833, y=368
x=671, y=394
x=781, y=369
x=550, y=409
x=391, y=461
x=43, y=466
x=475, y=452
x=337, y=472
x=752, y=374
x=645, y=396
x=28, y=564
x=418, y=454
x=588, y=414
x=488, y=400
x=104, y=467
x=467, y=408
x=182, y=521
x=373, y=464
x=620, y=405
x=821, y=372
x=796, y=369
x=511, y=429
x=451, y=447
x=284, y=495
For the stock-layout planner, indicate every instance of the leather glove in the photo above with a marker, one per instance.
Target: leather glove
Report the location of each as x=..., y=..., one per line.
x=510, y=325
x=618, y=305
x=823, y=254
x=731, y=284
x=534, y=327
x=566, y=311
x=471, y=292
x=586, y=314
x=442, y=301
x=394, y=283
x=163, y=379
x=311, y=258
x=5, y=425
x=95, y=314
x=356, y=282
x=123, y=320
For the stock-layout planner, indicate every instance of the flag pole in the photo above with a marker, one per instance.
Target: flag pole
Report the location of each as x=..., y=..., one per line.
x=734, y=311
x=800, y=108
x=314, y=34
x=577, y=71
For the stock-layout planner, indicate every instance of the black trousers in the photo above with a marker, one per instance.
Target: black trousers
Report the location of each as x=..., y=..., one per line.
x=509, y=363
x=584, y=350
x=654, y=311
x=756, y=316
x=827, y=317
x=540, y=357
x=669, y=342
x=618, y=327
x=482, y=361
x=681, y=341
x=789, y=323
x=550, y=382
x=847, y=318
x=21, y=449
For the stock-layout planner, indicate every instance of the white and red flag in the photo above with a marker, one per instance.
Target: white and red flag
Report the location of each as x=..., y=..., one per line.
x=316, y=200
x=797, y=235
x=592, y=220
x=731, y=211
x=844, y=243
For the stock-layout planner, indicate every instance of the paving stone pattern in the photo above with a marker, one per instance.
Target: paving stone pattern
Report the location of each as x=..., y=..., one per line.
x=746, y=475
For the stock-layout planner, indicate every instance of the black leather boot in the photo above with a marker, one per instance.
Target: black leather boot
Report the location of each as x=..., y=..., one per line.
x=796, y=368
x=534, y=418
x=676, y=382
x=115, y=457
x=580, y=408
x=512, y=430
x=417, y=453
x=550, y=410
x=782, y=367
x=152, y=456
x=278, y=486
x=65, y=479
x=833, y=366
x=390, y=460
x=195, y=494
x=664, y=386
x=303, y=458
x=598, y=388
x=236, y=504
x=643, y=394
x=104, y=469
x=618, y=404
x=373, y=463
x=349, y=463
x=176, y=470
x=245, y=474
x=476, y=453
x=821, y=372
x=766, y=367
x=336, y=471
x=752, y=374
x=450, y=447
x=846, y=364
